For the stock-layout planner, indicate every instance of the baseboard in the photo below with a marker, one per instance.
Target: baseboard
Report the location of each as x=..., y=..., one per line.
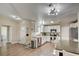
x=45, y=43
x=14, y=42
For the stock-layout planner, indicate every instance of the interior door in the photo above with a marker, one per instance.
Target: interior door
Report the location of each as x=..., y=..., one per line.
x=4, y=32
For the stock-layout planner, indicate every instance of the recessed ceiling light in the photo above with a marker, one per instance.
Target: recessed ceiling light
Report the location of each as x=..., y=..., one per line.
x=52, y=21
x=58, y=10
x=56, y=13
x=15, y=17
x=18, y=18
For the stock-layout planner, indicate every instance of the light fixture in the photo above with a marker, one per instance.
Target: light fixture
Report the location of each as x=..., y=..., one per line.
x=15, y=17
x=18, y=18
x=52, y=21
x=53, y=10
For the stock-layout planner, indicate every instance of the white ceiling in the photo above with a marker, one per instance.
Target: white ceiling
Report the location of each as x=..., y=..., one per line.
x=35, y=11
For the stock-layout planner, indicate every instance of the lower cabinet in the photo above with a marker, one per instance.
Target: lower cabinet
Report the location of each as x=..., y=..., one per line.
x=36, y=42
x=33, y=44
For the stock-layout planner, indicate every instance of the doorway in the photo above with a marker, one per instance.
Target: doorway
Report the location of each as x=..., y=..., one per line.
x=4, y=33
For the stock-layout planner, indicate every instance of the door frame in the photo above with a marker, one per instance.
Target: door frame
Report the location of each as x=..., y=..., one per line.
x=8, y=32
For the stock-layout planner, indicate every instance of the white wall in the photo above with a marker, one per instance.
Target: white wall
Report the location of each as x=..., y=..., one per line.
x=18, y=29
x=14, y=28
x=65, y=32
x=78, y=23
x=26, y=27
x=23, y=31
x=39, y=25
x=0, y=37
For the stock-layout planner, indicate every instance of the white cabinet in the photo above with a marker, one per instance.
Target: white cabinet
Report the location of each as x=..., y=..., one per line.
x=48, y=28
x=45, y=39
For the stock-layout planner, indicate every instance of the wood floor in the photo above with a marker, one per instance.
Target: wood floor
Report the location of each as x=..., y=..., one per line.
x=20, y=50
x=45, y=50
